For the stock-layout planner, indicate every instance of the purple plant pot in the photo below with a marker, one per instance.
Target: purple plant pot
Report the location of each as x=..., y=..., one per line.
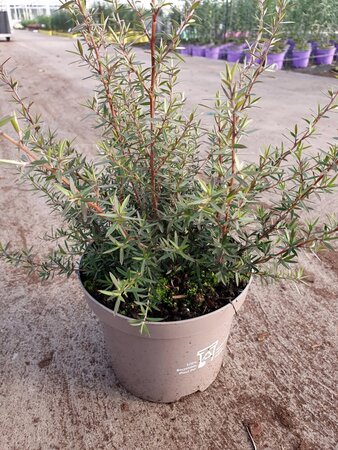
x=276, y=59
x=324, y=55
x=198, y=50
x=300, y=58
x=212, y=52
x=235, y=53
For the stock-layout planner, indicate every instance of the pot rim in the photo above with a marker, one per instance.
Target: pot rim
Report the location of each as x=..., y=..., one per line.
x=305, y=50
x=159, y=324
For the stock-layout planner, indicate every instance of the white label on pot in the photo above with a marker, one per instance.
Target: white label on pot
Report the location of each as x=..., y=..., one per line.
x=204, y=356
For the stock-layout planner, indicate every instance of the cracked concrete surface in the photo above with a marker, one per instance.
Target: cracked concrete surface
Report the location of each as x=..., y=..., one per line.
x=57, y=388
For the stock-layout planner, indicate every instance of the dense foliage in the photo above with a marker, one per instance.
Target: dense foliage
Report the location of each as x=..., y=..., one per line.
x=148, y=211
x=313, y=20
x=217, y=19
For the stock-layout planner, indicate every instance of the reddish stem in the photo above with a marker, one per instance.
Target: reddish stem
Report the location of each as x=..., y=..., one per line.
x=233, y=168
x=153, y=105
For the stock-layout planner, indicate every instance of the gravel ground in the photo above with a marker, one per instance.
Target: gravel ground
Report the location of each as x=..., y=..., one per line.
x=57, y=389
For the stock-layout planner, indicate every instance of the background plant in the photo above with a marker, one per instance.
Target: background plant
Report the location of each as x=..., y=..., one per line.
x=57, y=21
x=148, y=208
x=62, y=20
x=305, y=19
x=312, y=19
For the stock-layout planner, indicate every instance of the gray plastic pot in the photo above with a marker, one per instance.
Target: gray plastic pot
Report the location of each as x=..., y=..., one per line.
x=175, y=360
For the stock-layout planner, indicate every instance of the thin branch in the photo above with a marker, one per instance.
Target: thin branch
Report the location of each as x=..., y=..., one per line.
x=92, y=44
x=46, y=166
x=302, y=244
x=297, y=200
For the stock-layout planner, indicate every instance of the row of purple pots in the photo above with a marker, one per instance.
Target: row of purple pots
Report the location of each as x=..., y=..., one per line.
x=236, y=53
x=221, y=51
x=217, y=52
x=233, y=53
x=320, y=55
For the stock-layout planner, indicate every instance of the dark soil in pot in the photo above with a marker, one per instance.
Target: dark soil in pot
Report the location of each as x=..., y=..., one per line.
x=178, y=298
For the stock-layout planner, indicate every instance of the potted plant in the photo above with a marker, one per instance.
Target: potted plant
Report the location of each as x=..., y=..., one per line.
x=301, y=52
x=323, y=48
x=166, y=243
x=277, y=54
x=324, y=51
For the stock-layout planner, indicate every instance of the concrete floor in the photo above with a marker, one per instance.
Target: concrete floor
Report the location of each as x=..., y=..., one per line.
x=57, y=389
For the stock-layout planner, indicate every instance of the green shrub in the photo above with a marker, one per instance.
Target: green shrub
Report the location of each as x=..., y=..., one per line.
x=44, y=21
x=152, y=220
